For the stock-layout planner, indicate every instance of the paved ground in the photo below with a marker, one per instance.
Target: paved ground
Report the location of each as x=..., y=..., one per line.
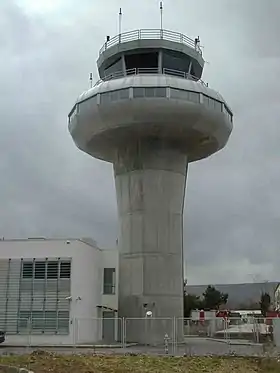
x=193, y=346
x=245, y=329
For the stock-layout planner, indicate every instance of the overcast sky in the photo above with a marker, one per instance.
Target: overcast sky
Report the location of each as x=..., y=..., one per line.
x=49, y=188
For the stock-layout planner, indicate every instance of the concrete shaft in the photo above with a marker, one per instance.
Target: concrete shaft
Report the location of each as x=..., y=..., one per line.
x=150, y=179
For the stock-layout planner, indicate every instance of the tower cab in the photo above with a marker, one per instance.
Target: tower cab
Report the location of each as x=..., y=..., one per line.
x=150, y=52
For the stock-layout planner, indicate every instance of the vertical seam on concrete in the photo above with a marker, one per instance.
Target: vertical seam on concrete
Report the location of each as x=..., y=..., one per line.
x=182, y=225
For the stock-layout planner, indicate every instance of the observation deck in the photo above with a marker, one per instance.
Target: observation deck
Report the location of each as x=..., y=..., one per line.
x=154, y=50
x=150, y=34
x=149, y=71
x=150, y=87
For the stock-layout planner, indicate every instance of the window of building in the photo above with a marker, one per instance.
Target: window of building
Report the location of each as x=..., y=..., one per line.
x=65, y=269
x=50, y=320
x=38, y=320
x=118, y=94
x=194, y=97
x=176, y=61
x=178, y=94
x=44, y=285
x=24, y=319
x=44, y=321
x=213, y=104
x=228, y=113
x=52, y=270
x=146, y=61
x=40, y=270
x=139, y=92
x=88, y=103
x=181, y=94
x=114, y=67
x=109, y=281
x=63, y=321
x=218, y=105
x=27, y=269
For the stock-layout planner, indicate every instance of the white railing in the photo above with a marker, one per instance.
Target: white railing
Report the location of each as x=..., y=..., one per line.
x=151, y=34
x=150, y=71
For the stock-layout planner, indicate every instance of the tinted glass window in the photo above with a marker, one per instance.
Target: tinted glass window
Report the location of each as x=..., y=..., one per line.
x=114, y=67
x=142, y=60
x=120, y=94
x=109, y=280
x=175, y=61
x=185, y=95
x=139, y=92
x=212, y=103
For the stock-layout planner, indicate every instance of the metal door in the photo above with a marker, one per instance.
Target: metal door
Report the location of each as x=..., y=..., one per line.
x=108, y=326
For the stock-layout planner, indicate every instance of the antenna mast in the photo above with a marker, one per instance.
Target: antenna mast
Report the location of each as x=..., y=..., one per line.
x=120, y=22
x=90, y=80
x=161, y=14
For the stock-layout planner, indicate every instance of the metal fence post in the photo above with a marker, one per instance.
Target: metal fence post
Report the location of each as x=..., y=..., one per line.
x=29, y=331
x=73, y=332
x=123, y=330
x=76, y=321
x=166, y=339
x=174, y=342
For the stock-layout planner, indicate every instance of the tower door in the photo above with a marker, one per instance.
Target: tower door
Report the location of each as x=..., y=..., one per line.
x=108, y=326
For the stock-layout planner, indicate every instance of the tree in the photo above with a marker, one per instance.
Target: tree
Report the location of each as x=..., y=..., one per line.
x=265, y=303
x=191, y=302
x=213, y=298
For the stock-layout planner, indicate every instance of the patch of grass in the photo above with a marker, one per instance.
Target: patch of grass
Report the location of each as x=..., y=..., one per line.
x=48, y=362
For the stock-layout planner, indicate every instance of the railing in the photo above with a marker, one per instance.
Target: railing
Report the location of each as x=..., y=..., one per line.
x=151, y=34
x=150, y=71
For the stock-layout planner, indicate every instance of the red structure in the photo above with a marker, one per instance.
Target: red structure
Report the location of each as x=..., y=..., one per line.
x=271, y=315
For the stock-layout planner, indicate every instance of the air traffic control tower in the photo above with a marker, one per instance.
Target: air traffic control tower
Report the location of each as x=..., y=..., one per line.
x=150, y=115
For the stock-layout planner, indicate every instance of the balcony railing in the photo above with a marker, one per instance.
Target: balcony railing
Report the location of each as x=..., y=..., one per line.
x=150, y=71
x=151, y=34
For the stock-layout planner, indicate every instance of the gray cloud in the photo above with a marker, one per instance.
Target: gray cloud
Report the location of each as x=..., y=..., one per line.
x=49, y=188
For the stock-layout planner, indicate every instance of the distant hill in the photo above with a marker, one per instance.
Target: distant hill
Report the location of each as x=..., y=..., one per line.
x=238, y=294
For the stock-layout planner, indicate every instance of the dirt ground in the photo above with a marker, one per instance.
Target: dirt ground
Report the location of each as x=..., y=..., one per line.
x=41, y=362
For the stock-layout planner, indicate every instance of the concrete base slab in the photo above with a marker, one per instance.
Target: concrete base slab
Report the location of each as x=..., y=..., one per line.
x=239, y=342
x=94, y=346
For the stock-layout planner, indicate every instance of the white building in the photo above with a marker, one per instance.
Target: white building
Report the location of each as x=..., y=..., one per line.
x=57, y=291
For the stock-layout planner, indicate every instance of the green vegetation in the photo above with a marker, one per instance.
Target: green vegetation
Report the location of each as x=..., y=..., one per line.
x=212, y=300
x=48, y=362
x=265, y=303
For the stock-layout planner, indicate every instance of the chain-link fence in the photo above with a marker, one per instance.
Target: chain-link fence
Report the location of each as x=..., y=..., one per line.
x=150, y=332
x=149, y=335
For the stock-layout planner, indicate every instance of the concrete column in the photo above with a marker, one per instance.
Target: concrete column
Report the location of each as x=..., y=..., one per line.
x=150, y=179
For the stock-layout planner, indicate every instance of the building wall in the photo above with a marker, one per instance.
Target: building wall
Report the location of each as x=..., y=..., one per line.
x=83, y=297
